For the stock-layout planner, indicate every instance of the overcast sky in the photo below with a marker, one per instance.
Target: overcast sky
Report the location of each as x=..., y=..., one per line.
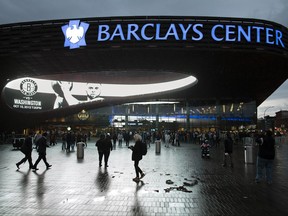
x=12, y=11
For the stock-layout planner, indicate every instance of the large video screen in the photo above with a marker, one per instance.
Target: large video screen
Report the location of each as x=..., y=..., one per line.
x=41, y=95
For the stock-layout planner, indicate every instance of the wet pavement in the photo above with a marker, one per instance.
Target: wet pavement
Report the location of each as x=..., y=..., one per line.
x=177, y=182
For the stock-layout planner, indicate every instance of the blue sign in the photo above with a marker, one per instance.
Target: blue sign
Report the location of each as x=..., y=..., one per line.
x=186, y=31
x=75, y=34
x=192, y=32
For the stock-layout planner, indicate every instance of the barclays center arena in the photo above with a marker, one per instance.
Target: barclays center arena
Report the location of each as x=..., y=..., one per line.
x=139, y=73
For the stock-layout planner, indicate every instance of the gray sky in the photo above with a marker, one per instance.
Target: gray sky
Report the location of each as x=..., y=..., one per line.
x=31, y=10
x=13, y=11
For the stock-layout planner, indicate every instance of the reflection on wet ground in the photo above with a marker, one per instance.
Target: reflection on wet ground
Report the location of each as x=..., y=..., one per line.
x=103, y=179
x=177, y=182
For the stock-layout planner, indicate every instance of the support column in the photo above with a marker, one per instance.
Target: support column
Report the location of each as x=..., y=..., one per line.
x=127, y=111
x=187, y=116
x=157, y=117
x=218, y=114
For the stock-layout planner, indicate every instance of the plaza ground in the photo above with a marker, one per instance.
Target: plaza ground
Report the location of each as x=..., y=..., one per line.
x=199, y=186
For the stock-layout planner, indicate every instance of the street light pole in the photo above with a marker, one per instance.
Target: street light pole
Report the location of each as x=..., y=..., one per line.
x=267, y=109
x=265, y=119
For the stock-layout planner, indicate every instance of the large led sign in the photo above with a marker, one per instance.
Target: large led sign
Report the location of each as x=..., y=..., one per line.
x=40, y=95
x=177, y=31
x=180, y=31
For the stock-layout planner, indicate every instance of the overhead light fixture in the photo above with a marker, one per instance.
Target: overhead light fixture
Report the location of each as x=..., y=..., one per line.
x=151, y=102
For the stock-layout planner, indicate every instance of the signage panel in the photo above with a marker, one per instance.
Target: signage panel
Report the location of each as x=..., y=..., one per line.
x=39, y=95
x=195, y=31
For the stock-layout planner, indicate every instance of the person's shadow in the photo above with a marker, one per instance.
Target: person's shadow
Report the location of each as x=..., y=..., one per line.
x=137, y=210
x=40, y=188
x=102, y=180
x=24, y=181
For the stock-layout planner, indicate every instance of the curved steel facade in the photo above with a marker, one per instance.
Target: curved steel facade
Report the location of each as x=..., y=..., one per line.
x=245, y=68
x=47, y=35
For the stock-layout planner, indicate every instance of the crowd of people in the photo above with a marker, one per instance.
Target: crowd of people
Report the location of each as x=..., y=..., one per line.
x=103, y=144
x=106, y=143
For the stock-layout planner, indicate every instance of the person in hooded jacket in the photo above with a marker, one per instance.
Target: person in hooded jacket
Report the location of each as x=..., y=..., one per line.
x=137, y=156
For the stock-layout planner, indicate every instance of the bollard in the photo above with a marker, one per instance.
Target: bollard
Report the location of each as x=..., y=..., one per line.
x=158, y=146
x=80, y=150
x=248, y=154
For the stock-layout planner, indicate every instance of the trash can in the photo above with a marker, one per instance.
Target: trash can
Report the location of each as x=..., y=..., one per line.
x=248, y=154
x=158, y=146
x=80, y=150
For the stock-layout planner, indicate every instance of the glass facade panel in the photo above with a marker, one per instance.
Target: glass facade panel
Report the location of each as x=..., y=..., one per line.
x=226, y=116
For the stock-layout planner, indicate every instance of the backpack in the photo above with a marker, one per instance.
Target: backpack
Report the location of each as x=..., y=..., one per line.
x=143, y=148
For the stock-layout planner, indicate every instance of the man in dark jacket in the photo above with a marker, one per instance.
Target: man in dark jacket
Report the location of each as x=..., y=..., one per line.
x=265, y=158
x=104, y=146
x=41, y=148
x=107, y=148
x=26, y=149
x=100, y=147
x=228, y=149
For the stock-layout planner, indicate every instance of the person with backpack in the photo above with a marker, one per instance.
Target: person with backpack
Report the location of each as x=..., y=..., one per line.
x=26, y=149
x=138, y=150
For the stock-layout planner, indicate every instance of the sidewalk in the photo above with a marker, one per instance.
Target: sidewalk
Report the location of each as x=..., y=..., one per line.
x=80, y=187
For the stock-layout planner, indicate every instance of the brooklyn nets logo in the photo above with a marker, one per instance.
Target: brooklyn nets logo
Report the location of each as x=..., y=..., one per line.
x=28, y=87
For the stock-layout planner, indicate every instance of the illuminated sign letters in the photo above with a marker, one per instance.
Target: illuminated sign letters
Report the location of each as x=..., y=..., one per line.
x=230, y=33
x=227, y=33
x=142, y=33
x=237, y=33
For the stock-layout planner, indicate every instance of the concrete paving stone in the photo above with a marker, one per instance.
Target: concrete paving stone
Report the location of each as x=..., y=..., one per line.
x=80, y=187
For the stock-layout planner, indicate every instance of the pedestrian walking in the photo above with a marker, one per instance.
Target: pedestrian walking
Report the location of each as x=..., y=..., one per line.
x=100, y=147
x=120, y=138
x=108, y=147
x=126, y=137
x=36, y=137
x=137, y=156
x=265, y=157
x=228, y=150
x=64, y=141
x=167, y=139
x=114, y=137
x=70, y=141
x=26, y=149
x=177, y=139
x=41, y=148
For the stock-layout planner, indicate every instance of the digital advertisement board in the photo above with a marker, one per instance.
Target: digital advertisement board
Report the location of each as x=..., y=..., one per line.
x=42, y=95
